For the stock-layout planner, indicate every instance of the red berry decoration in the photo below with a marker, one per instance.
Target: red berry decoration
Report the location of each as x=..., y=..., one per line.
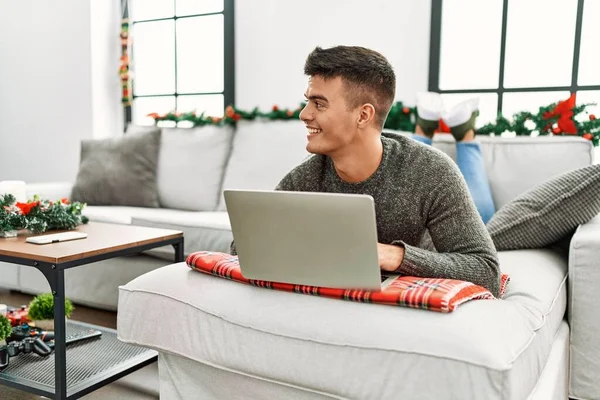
x=275, y=108
x=556, y=131
x=588, y=136
x=592, y=117
x=406, y=110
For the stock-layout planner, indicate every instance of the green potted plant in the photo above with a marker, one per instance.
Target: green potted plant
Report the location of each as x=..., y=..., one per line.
x=41, y=311
x=5, y=331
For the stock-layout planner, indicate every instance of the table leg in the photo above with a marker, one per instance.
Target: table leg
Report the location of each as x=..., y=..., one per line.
x=56, y=279
x=60, y=356
x=179, y=257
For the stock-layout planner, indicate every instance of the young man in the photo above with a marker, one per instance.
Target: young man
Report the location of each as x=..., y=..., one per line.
x=418, y=191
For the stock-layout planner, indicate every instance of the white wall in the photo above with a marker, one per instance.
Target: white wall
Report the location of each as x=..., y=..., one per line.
x=59, y=79
x=59, y=84
x=273, y=38
x=45, y=86
x=107, y=110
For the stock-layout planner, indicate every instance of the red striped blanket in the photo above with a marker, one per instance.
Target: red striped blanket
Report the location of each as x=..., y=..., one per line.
x=442, y=295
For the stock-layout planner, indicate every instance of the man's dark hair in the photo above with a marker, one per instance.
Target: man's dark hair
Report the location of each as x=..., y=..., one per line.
x=366, y=74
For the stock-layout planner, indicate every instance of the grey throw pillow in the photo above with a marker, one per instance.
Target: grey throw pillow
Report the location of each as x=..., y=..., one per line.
x=120, y=171
x=548, y=212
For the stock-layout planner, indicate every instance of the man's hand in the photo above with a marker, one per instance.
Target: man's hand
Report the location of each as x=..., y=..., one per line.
x=390, y=256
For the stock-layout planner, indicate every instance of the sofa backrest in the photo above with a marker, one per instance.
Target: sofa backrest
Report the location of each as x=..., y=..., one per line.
x=514, y=165
x=263, y=152
x=191, y=162
x=196, y=165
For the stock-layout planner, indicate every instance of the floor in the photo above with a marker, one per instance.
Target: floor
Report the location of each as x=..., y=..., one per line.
x=141, y=385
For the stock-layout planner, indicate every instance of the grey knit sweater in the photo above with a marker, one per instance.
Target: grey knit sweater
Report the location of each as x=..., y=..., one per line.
x=420, y=197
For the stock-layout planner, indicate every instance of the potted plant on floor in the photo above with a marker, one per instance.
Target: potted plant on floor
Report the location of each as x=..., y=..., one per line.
x=41, y=311
x=5, y=331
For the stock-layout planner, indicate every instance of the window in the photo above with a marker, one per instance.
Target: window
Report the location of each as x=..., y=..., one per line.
x=515, y=55
x=182, y=57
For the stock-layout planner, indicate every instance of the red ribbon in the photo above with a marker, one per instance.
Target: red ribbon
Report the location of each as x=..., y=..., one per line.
x=443, y=128
x=564, y=111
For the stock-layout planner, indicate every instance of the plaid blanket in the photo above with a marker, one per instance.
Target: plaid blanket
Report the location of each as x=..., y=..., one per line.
x=442, y=295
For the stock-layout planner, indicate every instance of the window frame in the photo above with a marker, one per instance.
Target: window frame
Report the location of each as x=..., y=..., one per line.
x=228, y=55
x=435, y=58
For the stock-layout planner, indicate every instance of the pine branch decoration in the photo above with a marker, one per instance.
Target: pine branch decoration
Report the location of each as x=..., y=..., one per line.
x=561, y=118
x=39, y=215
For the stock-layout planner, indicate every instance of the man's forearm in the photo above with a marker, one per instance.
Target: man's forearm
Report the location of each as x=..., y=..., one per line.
x=479, y=268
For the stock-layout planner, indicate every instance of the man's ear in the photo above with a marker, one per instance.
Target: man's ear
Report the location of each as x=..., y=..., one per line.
x=366, y=115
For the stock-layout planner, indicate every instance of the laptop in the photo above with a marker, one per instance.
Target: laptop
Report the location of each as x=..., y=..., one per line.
x=319, y=239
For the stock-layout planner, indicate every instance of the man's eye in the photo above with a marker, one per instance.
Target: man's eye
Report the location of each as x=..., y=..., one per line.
x=318, y=105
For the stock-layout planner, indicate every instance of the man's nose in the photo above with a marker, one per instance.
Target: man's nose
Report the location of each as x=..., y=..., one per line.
x=305, y=114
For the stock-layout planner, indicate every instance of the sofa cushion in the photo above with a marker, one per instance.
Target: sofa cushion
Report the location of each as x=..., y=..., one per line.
x=546, y=213
x=514, y=165
x=119, y=171
x=263, y=153
x=118, y=214
x=190, y=167
x=202, y=230
x=584, y=320
x=492, y=349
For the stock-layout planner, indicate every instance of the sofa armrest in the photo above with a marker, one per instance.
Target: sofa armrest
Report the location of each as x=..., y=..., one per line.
x=584, y=310
x=50, y=190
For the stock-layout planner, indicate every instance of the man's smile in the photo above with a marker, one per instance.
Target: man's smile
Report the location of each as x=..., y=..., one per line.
x=313, y=131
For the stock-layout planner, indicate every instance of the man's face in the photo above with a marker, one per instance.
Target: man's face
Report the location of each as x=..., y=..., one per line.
x=331, y=127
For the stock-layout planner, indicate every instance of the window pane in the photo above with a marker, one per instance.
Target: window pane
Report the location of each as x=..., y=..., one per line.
x=590, y=96
x=470, y=44
x=190, y=7
x=154, y=58
x=142, y=106
x=209, y=104
x=151, y=9
x=488, y=105
x=530, y=101
x=539, y=43
x=200, y=49
x=589, y=57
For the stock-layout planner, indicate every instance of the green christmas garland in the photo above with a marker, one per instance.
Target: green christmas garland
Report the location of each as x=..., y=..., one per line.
x=400, y=117
x=231, y=116
x=563, y=119
x=38, y=215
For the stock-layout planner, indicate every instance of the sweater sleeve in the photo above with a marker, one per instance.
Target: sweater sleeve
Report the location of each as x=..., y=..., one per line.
x=286, y=184
x=465, y=250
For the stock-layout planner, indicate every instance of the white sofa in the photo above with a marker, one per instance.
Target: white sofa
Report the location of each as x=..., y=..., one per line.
x=219, y=339
x=237, y=341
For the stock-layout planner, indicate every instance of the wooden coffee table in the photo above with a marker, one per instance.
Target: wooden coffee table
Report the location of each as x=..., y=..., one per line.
x=104, y=241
